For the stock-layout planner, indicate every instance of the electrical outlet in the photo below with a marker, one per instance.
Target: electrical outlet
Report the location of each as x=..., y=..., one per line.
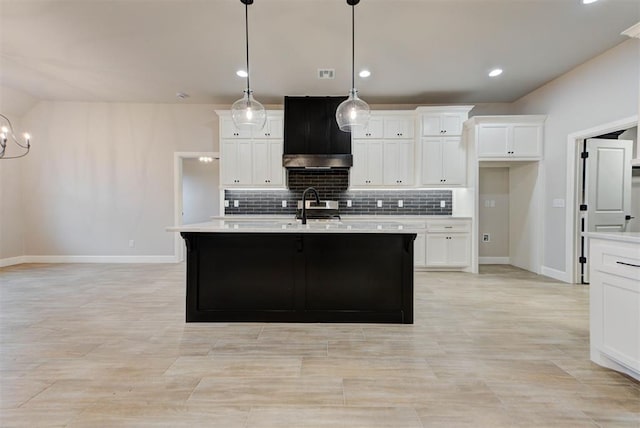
x=132, y=243
x=400, y=203
x=486, y=237
x=349, y=203
x=284, y=204
x=236, y=203
x=443, y=204
x=379, y=203
x=226, y=203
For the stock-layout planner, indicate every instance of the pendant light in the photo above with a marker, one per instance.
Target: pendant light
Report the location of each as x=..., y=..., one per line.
x=247, y=113
x=353, y=112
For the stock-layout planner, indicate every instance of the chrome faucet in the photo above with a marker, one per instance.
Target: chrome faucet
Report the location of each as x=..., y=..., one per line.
x=304, y=202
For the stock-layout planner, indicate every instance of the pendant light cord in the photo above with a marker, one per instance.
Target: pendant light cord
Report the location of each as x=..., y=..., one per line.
x=353, y=48
x=246, y=37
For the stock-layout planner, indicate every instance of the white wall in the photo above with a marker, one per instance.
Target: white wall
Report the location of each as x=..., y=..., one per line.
x=493, y=212
x=200, y=194
x=101, y=174
x=599, y=91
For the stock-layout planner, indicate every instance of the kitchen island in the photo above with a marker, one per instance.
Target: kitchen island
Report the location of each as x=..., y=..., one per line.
x=284, y=271
x=614, y=272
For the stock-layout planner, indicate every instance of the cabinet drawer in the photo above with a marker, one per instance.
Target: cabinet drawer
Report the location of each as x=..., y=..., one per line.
x=622, y=260
x=448, y=226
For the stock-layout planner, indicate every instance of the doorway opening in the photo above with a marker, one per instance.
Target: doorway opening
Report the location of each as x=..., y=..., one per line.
x=574, y=218
x=196, y=191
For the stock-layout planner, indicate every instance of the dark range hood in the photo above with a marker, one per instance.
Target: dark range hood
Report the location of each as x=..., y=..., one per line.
x=312, y=138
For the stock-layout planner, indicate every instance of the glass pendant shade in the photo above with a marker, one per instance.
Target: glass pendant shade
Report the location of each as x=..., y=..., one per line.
x=353, y=113
x=248, y=113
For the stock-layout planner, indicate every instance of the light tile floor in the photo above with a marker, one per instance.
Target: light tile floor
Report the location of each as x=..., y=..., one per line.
x=107, y=346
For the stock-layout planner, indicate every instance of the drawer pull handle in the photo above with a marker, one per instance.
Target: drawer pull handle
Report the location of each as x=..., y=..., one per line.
x=628, y=264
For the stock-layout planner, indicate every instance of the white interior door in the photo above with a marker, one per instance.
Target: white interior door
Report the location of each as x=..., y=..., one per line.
x=608, y=181
x=607, y=190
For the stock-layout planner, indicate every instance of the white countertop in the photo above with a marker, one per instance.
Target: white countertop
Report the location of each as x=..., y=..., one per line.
x=292, y=226
x=633, y=237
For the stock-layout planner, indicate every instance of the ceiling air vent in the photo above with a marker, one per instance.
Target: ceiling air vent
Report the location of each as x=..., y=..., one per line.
x=326, y=73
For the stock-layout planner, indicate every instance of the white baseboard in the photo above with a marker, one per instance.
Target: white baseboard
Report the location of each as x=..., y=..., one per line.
x=493, y=260
x=10, y=261
x=555, y=274
x=88, y=259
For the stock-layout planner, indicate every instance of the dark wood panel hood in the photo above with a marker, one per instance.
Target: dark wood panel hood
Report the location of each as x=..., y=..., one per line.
x=312, y=138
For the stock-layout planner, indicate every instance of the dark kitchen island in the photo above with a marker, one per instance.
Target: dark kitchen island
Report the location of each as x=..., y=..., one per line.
x=288, y=272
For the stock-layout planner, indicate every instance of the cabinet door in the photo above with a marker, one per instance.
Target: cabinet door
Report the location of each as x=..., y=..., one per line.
x=374, y=129
x=398, y=127
x=436, y=250
x=228, y=129
x=228, y=161
x=261, y=162
x=458, y=250
x=432, y=124
x=367, y=167
x=493, y=140
x=526, y=140
x=432, y=161
x=398, y=162
x=454, y=161
x=275, y=158
x=243, y=162
x=452, y=123
x=273, y=128
x=358, y=173
x=375, y=162
x=419, y=250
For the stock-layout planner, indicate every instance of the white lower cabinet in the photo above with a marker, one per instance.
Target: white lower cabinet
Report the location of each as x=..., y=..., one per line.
x=614, y=274
x=419, y=250
x=445, y=245
x=447, y=250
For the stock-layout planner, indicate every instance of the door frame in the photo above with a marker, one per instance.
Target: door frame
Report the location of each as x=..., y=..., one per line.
x=178, y=157
x=571, y=213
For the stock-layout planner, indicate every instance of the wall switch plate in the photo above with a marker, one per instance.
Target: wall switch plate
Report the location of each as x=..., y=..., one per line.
x=486, y=237
x=443, y=204
x=400, y=203
x=557, y=203
x=236, y=203
x=226, y=203
x=132, y=243
x=379, y=203
x=492, y=203
x=284, y=204
x=349, y=203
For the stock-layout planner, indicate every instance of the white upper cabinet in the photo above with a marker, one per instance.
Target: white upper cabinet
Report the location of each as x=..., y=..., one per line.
x=443, y=121
x=267, y=163
x=273, y=127
x=229, y=130
x=251, y=158
x=509, y=137
x=399, y=126
x=398, y=162
x=373, y=129
x=444, y=161
x=368, y=166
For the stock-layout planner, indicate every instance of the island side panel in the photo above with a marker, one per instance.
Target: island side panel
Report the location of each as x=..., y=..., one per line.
x=284, y=277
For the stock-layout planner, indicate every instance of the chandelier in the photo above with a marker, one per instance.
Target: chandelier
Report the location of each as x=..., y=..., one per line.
x=7, y=135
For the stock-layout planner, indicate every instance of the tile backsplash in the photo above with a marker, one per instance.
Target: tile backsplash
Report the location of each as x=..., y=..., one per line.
x=333, y=185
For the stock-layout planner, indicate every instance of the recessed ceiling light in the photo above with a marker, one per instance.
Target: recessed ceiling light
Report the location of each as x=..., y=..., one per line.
x=495, y=72
x=182, y=95
x=241, y=73
x=588, y=1
x=365, y=73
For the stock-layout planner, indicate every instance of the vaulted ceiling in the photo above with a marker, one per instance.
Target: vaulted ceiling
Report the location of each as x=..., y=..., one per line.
x=418, y=51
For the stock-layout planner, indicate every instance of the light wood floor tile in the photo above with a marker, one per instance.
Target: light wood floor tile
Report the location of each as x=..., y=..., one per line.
x=106, y=345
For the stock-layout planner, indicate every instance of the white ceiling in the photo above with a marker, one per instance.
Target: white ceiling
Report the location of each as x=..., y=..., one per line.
x=419, y=51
